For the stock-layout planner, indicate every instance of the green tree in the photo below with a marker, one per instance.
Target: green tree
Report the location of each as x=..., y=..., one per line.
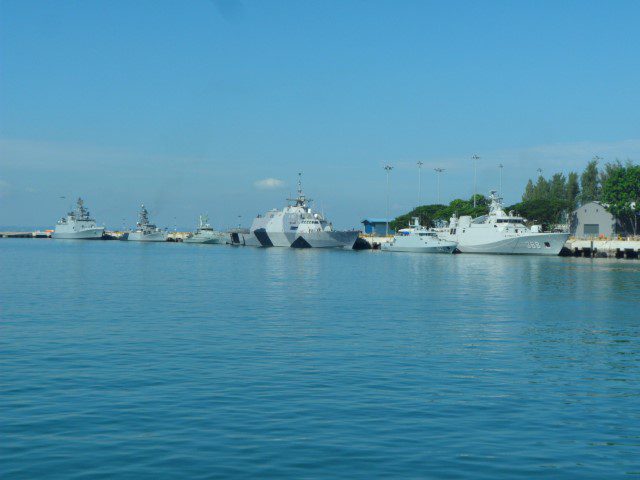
x=528, y=192
x=590, y=190
x=542, y=211
x=572, y=191
x=429, y=214
x=621, y=194
x=558, y=188
x=541, y=189
x=608, y=169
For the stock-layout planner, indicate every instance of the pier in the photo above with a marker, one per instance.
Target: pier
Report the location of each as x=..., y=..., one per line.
x=603, y=248
x=37, y=234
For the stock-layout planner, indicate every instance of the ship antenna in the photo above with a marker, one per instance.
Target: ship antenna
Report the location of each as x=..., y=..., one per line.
x=299, y=184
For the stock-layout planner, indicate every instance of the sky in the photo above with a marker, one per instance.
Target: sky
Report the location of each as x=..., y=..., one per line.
x=214, y=106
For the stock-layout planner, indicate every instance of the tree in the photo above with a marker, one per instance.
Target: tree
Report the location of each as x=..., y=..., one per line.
x=608, y=169
x=541, y=190
x=589, y=183
x=429, y=214
x=621, y=194
x=528, y=192
x=543, y=211
x=558, y=188
x=572, y=191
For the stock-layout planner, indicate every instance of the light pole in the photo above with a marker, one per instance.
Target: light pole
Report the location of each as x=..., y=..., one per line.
x=475, y=159
x=500, y=167
x=388, y=168
x=419, y=181
x=438, y=172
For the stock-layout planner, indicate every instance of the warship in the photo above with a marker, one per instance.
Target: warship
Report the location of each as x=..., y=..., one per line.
x=501, y=233
x=418, y=239
x=146, y=231
x=78, y=225
x=297, y=226
x=205, y=233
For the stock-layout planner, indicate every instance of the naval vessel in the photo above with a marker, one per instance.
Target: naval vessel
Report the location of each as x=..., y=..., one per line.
x=78, y=225
x=146, y=231
x=500, y=232
x=297, y=226
x=205, y=233
x=418, y=239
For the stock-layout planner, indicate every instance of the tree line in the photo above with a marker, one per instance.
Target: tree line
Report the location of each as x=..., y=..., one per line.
x=550, y=201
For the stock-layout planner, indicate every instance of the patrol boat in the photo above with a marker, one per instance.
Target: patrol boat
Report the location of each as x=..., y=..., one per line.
x=146, y=231
x=78, y=225
x=501, y=233
x=418, y=239
x=205, y=233
x=297, y=226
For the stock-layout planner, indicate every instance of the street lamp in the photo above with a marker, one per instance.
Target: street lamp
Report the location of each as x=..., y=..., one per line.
x=419, y=181
x=475, y=159
x=388, y=168
x=438, y=172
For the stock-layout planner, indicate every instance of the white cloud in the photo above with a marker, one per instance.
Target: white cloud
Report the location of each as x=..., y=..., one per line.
x=269, y=183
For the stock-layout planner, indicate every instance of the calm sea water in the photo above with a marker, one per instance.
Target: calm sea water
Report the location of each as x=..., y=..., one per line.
x=128, y=360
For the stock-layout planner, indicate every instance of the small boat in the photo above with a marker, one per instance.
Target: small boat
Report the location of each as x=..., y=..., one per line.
x=418, y=239
x=205, y=233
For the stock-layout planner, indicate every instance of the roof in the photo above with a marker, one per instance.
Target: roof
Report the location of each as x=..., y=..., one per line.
x=593, y=202
x=375, y=220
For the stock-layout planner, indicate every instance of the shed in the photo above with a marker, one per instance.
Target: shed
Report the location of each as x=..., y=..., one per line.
x=376, y=226
x=593, y=220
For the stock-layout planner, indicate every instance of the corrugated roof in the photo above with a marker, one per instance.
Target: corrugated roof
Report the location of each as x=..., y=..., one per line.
x=376, y=220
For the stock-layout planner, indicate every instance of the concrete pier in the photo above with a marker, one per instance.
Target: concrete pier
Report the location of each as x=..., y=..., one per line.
x=375, y=241
x=37, y=234
x=603, y=248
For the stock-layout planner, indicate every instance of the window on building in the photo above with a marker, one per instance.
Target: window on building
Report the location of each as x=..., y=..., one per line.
x=591, y=229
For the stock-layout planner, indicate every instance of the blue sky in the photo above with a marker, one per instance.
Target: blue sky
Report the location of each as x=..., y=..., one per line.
x=189, y=106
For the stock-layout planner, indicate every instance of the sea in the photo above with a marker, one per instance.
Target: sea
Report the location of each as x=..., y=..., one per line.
x=165, y=360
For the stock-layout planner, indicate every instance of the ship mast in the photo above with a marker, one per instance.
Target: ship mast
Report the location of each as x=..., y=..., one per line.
x=301, y=200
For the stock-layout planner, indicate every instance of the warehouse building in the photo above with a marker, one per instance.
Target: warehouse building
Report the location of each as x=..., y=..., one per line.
x=593, y=220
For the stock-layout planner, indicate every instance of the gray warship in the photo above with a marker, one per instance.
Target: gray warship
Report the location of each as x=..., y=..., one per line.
x=78, y=225
x=146, y=231
x=297, y=226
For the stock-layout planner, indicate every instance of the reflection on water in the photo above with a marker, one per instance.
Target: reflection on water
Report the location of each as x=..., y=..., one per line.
x=124, y=359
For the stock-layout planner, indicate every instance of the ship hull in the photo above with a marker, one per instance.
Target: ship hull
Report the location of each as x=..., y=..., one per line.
x=264, y=238
x=322, y=239
x=205, y=240
x=250, y=240
x=548, y=244
x=281, y=239
x=419, y=249
x=88, y=234
x=147, y=237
